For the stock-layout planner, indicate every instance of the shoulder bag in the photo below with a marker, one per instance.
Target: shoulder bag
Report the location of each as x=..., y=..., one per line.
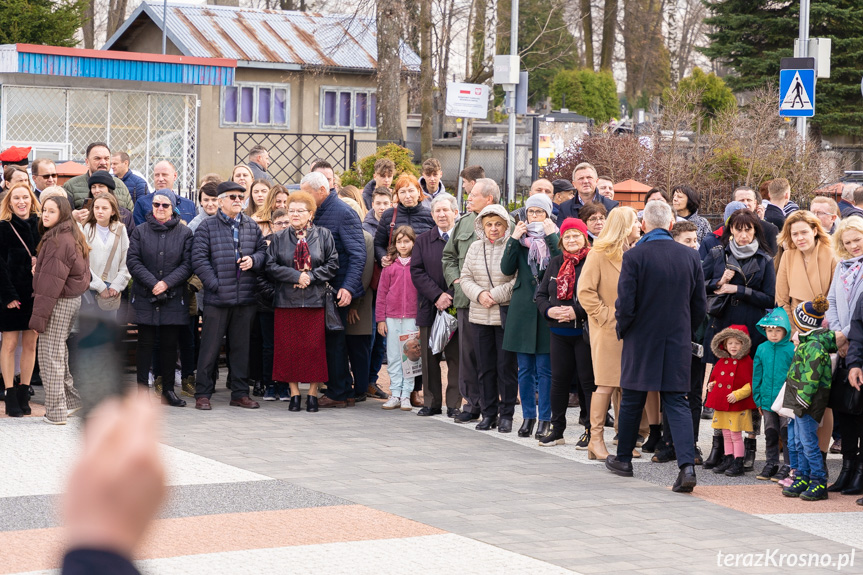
x=23, y=243
x=843, y=397
x=109, y=303
x=332, y=318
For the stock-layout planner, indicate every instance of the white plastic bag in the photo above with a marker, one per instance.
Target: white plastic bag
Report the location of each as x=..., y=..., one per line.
x=777, y=405
x=442, y=330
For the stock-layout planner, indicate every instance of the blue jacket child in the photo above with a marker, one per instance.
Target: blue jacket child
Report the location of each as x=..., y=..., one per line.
x=772, y=360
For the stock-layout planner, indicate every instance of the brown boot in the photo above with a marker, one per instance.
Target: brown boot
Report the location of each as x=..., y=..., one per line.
x=598, y=408
x=416, y=399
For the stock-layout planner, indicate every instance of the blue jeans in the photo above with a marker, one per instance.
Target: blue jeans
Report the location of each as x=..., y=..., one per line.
x=809, y=462
x=534, y=375
x=794, y=447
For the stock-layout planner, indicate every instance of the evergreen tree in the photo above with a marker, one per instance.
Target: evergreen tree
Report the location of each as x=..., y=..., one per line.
x=751, y=36
x=589, y=93
x=52, y=23
x=714, y=95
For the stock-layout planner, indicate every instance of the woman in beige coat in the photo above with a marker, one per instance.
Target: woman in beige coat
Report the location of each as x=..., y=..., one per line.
x=597, y=293
x=805, y=272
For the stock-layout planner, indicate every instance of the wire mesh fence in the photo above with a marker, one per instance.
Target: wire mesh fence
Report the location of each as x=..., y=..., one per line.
x=150, y=127
x=291, y=155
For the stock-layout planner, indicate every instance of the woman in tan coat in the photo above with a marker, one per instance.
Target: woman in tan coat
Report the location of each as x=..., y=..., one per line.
x=805, y=272
x=597, y=293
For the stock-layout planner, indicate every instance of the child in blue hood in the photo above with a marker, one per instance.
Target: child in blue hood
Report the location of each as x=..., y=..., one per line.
x=772, y=360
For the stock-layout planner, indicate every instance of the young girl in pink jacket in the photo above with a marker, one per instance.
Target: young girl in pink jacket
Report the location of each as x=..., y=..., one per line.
x=396, y=312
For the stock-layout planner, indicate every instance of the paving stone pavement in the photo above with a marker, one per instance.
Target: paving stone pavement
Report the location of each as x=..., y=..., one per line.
x=363, y=490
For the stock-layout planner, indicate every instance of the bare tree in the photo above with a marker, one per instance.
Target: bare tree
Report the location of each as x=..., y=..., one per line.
x=609, y=34
x=587, y=30
x=389, y=19
x=426, y=80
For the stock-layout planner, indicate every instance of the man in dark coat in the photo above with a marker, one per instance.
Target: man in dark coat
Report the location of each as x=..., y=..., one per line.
x=347, y=230
x=259, y=161
x=434, y=295
x=227, y=251
x=661, y=301
x=584, y=179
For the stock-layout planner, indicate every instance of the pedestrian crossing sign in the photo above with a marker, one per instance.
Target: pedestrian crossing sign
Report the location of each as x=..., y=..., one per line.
x=797, y=93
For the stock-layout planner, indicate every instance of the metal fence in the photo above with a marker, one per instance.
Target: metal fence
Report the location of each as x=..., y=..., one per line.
x=291, y=155
x=61, y=122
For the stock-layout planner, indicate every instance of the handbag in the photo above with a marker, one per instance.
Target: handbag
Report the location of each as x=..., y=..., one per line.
x=110, y=303
x=332, y=318
x=843, y=397
x=29, y=253
x=717, y=304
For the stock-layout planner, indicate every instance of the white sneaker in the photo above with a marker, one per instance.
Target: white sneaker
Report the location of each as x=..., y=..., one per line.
x=71, y=412
x=46, y=420
x=406, y=404
x=392, y=403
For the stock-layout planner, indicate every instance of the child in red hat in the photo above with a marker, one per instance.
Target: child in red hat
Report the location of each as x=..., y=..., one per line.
x=729, y=394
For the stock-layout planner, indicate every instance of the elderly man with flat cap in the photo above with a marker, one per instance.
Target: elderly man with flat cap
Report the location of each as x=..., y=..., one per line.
x=227, y=251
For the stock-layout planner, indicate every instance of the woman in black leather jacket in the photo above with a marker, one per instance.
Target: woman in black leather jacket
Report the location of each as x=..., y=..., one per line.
x=301, y=260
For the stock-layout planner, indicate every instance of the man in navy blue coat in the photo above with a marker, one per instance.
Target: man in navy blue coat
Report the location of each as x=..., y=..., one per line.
x=347, y=229
x=584, y=179
x=661, y=301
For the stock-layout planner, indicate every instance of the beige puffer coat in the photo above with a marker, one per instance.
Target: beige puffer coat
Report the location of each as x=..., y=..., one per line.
x=482, y=259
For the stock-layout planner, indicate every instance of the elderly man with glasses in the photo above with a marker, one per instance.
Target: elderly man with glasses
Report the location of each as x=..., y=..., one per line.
x=228, y=249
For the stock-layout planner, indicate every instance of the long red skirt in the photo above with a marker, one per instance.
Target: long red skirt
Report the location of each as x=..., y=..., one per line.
x=300, y=350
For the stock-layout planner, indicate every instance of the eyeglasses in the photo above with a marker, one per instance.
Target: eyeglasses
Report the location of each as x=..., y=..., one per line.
x=537, y=212
x=821, y=214
x=281, y=224
x=297, y=211
x=233, y=197
x=47, y=176
x=161, y=205
x=596, y=219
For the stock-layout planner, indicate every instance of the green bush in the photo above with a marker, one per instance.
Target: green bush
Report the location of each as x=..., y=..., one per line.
x=363, y=170
x=589, y=93
x=709, y=92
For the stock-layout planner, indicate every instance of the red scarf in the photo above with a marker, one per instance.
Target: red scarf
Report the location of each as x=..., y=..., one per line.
x=566, y=274
x=302, y=257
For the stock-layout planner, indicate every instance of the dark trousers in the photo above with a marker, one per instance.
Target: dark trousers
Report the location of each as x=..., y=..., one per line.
x=676, y=407
x=432, y=384
x=256, y=349
x=379, y=350
x=696, y=378
x=186, y=342
x=570, y=354
x=339, y=383
x=360, y=356
x=497, y=370
x=267, y=325
x=468, y=380
x=776, y=428
x=167, y=336
x=851, y=429
x=235, y=323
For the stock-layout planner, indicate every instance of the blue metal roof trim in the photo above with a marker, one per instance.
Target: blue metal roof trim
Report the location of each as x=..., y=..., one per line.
x=125, y=70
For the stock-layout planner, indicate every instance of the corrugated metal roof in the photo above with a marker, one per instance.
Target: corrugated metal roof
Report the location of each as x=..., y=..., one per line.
x=273, y=36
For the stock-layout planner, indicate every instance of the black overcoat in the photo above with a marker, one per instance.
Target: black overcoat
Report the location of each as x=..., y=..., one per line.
x=427, y=275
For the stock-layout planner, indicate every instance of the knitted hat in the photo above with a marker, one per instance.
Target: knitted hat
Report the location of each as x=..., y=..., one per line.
x=165, y=192
x=102, y=177
x=741, y=332
x=562, y=186
x=573, y=224
x=540, y=201
x=731, y=208
x=808, y=315
x=226, y=187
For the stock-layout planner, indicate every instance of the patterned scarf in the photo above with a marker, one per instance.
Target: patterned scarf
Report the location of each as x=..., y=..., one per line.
x=534, y=241
x=566, y=274
x=302, y=257
x=849, y=273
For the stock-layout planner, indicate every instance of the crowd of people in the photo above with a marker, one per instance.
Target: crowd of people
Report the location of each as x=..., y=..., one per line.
x=647, y=322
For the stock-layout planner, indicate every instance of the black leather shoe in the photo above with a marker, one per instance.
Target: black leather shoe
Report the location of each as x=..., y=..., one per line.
x=169, y=397
x=736, y=468
x=312, y=404
x=487, y=423
x=723, y=466
x=542, y=429
x=428, y=411
x=294, y=405
x=699, y=457
x=624, y=469
x=465, y=417
x=526, y=428
x=749, y=447
x=685, y=480
x=844, y=479
x=505, y=425
x=452, y=411
x=714, y=458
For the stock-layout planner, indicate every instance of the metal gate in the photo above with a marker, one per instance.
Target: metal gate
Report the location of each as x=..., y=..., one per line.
x=291, y=155
x=61, y=122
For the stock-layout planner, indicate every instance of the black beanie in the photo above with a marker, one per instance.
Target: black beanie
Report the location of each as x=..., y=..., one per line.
x=102, y=177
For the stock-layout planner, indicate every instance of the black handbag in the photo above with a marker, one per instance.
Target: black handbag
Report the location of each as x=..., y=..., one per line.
x=843, y=397
x=717, y=304
x=333, y=319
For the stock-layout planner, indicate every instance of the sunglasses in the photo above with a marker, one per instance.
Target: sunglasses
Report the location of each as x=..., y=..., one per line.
x=233, y=197
x=47, y=176
x=161, y=205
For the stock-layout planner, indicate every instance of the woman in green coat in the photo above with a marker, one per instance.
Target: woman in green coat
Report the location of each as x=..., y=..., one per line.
x=528, y=251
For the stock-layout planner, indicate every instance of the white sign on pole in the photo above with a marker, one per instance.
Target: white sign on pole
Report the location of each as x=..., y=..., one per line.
x=466, y=100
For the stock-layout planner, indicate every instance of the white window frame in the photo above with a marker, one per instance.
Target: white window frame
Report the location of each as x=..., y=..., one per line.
x=353, y=92
x=256, y=86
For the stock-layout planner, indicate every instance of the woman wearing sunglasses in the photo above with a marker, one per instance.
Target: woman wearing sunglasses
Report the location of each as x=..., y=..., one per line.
x=160, y=261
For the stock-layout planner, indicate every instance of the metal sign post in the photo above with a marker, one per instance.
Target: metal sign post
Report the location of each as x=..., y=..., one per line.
x=465, y=101
x=803, y=52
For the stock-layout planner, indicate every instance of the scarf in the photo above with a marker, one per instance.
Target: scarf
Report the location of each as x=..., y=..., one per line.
x=302, y=257
x=849, y=274
x=566, y=274
x=534, y=241
x=653, y=235
x=743, y=252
